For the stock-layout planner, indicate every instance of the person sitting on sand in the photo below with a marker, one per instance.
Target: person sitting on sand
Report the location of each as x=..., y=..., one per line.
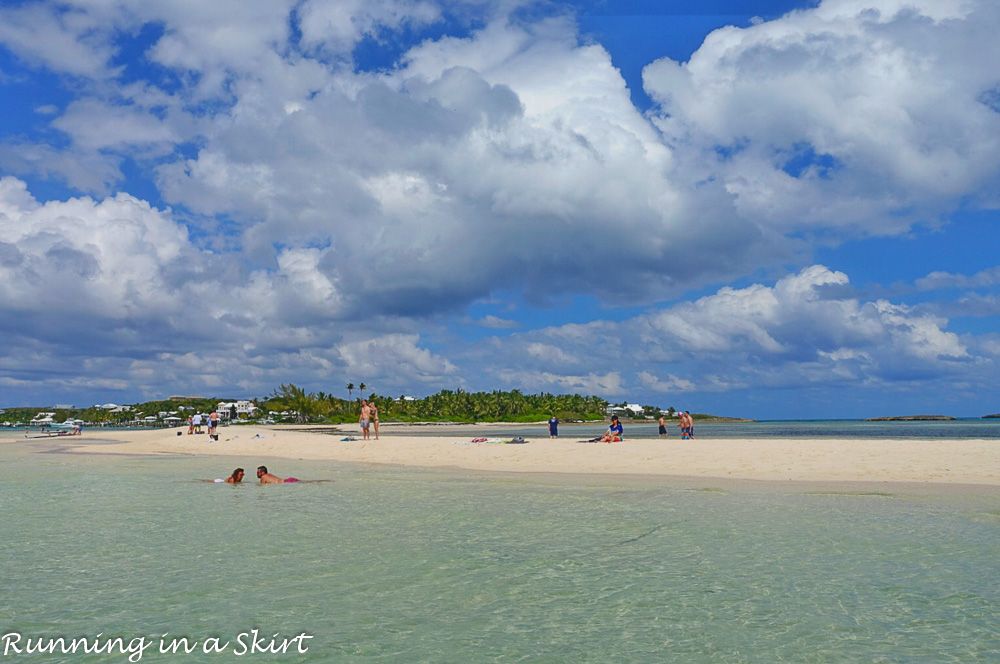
x=615, y=432
x=267, y=478
x=236, y=477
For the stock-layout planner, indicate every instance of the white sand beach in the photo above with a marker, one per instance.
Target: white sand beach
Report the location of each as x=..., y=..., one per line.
x=948, y=461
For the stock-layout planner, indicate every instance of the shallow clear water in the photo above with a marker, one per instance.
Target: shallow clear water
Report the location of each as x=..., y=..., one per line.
x=968, y=428
x=405, y=565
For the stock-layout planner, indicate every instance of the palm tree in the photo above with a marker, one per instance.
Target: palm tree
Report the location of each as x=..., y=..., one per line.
x=362, y=387
x=350, y=390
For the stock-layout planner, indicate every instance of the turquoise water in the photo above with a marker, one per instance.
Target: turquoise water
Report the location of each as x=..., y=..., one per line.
x=966, y=428
x=409, y=565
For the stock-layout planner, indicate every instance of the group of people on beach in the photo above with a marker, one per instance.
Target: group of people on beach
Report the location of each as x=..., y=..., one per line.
x=684, y=421
x=212, y=419
x=263, y=475
x=616, y=433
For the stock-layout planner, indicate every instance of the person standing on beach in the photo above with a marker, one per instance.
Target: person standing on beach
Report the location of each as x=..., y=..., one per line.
x=374, y=416
x=213, y=423
x=663, y=425
x=553, y=427
x=366, y=413
x=690, y=424
x=190, y=424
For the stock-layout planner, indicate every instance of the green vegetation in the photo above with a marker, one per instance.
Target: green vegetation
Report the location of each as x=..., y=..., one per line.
x=446, y=405
x=290, y=403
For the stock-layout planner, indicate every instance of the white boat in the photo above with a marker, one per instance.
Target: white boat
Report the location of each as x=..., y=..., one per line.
x=47, y=421
x=42, y=420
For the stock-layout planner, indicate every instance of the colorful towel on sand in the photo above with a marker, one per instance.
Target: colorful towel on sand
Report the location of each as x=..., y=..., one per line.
x=492, y=441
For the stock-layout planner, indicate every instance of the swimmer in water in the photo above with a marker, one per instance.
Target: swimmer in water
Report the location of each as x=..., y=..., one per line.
x=267, y=478
x=236, y=477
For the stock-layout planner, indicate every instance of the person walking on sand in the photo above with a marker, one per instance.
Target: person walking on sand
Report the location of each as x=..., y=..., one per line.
x=553, y=427
x=663, y=426
x=686, y=424
x=374, y=418
x=364, y=418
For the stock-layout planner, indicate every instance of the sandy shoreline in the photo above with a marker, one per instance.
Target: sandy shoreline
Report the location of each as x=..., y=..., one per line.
x=952, y=462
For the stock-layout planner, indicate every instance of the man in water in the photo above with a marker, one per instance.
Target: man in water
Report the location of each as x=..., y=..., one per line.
x=267, y=478
x=663, y=426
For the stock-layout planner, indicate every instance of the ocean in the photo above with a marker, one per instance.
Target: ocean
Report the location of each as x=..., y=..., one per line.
x=388, y=564
x=849, y=429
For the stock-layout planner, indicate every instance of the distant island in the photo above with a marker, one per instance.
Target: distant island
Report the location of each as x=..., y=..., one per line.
x=910, y=418
x=703, y=417
x=994, y=415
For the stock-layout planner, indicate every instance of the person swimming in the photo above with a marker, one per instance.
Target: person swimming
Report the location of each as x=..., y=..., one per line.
x=267, y=478
x=235, y=478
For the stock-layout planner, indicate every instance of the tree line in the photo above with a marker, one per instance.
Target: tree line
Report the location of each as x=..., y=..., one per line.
x=446, y=405
x=302, y=406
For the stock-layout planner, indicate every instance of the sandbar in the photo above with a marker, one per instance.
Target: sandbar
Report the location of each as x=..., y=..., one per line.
x=939, y=461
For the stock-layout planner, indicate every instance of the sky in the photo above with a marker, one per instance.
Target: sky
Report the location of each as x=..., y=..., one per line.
x=778, y=210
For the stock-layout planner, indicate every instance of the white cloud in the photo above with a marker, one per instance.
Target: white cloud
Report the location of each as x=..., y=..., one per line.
x=946, y=280
x=846, y=116
x=497, y=323
x=327, y=220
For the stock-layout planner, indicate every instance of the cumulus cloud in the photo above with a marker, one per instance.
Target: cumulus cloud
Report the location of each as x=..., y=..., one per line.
x=313, y=218
x=851, y=116
x=792, y=334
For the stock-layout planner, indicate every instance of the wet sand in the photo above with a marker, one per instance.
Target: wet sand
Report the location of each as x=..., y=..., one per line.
x=946, y=462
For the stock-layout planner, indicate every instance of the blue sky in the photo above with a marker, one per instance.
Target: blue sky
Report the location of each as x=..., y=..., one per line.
x=764, y=209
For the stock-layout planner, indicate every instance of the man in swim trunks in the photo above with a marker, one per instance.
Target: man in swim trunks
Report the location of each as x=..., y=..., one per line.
x=267, y=478
x=663, y=426
x=366, y=413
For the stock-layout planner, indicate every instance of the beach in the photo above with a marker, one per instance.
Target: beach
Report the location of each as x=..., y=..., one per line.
x=933, y=462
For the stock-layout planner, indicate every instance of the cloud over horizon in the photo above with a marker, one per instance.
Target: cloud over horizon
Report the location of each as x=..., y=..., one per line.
x=243, y=200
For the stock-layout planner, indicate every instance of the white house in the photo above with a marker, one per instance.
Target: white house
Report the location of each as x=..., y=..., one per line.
x=243, y=409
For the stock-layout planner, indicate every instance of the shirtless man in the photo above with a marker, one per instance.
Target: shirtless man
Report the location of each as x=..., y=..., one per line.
x=267, y=478
x=366, y=413
x=663, y=426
